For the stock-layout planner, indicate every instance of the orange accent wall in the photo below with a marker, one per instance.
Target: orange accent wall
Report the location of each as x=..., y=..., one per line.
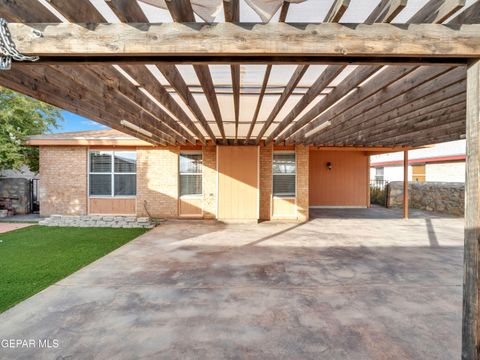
x=345, y=185
x=112, y=206
x=237, y=182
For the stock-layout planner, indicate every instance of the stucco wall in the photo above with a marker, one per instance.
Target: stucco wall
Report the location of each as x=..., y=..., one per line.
x=446, y=172
x=345, y=184
x=63, y=180
x=431, y=196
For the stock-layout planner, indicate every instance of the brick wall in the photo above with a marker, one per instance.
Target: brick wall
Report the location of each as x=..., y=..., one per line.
x=302, y=182
x=63, y=180
x=209, y=182
x=157, y=181
x=265, y=181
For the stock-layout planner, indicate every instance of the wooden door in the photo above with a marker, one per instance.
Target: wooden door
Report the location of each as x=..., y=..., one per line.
x=238, y=196
x=418, y=173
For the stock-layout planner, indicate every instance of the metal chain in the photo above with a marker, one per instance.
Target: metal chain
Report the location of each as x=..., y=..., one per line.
x=8, y=48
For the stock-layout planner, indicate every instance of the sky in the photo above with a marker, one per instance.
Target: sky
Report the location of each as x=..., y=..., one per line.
x=73, y=122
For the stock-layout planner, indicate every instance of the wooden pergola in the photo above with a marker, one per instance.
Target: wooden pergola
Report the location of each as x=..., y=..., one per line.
x=382, y=84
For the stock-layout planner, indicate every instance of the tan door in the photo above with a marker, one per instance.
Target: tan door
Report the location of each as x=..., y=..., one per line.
x=418, y=173
x=237, y=168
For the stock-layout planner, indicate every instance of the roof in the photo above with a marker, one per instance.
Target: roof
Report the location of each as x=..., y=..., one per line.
x=91, y=137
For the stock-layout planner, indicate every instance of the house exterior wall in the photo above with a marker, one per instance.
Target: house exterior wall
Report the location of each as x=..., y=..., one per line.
x=435, y=172
x=157, y=184
x=266, y=154
x=63, y=180
x=303, y=180
x=210, y=182
x=346, y=184
x=446, y=172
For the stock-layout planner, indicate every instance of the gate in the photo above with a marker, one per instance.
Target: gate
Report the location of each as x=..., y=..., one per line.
x=34, y=201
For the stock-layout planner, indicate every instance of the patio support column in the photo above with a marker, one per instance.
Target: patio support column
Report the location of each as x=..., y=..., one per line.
x=405, y=184
x=470, y=321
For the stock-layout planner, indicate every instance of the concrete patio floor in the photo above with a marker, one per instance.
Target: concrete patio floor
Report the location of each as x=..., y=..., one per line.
x=350, y=284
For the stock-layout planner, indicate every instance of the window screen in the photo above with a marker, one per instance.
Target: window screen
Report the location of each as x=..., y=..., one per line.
x=284, y=174
x=113, y=173
x=190, y=174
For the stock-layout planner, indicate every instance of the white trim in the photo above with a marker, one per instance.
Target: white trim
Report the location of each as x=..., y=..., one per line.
x=337, y=207
x=287, y=197
x=191, y=196
x=112, y=174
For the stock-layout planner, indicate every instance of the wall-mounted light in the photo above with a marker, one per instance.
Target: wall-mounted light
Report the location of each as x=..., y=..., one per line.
x=329, y=165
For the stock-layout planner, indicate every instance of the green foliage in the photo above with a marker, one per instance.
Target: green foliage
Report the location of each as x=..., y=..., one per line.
x=377, y=195
x=20, y=117
x=35, y=257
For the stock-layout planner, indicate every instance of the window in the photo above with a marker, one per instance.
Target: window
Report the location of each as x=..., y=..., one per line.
x=190, y=174
x=379, y=173
x=113, y=173
x=284, y=173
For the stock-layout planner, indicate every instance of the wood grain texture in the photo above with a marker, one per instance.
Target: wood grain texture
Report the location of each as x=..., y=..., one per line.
x=25, y=11
x=128, y=11
x=173, y=76
x=272, y=39
x=78, y=11
x=470, y=320
x=292, y=83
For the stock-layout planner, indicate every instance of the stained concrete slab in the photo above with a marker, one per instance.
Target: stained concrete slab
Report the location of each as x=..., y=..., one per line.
x=358, y=284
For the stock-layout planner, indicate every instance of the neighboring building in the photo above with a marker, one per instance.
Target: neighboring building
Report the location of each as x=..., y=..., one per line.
x=108, y=172
x=442, y=163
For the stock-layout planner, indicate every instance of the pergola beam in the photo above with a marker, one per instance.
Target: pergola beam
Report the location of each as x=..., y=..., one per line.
x=376, y=92
x=77, y=11
x=470, y=323
x=230, y=39
x=336, y=11
x=361, y=132
x=173, y=76
x=292, y=83
x=127, y=11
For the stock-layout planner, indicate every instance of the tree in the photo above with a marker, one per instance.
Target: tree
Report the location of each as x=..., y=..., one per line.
x=20, y=117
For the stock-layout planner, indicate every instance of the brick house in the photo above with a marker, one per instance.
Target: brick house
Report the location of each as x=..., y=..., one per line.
x=108, y=172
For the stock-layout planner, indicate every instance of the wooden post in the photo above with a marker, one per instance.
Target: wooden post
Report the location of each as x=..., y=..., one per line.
x=368, y=181
x=470, y=323
x=405, y=184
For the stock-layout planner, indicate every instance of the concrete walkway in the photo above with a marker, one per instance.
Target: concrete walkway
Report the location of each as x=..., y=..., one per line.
x=6, y=227
x=361, y=284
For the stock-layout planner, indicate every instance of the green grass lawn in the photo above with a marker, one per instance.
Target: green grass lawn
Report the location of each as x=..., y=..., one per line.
x=35, y=257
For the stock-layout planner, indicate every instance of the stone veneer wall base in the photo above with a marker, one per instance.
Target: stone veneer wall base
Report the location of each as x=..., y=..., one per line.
x=98, y=221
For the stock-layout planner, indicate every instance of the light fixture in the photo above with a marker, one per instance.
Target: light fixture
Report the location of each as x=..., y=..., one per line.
x=329, y=165
x=318, y=128
x=136, y=128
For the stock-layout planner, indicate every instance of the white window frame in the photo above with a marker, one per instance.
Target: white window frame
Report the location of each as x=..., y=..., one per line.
x=285, y=195
x=112, y=174
x=191, y=196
